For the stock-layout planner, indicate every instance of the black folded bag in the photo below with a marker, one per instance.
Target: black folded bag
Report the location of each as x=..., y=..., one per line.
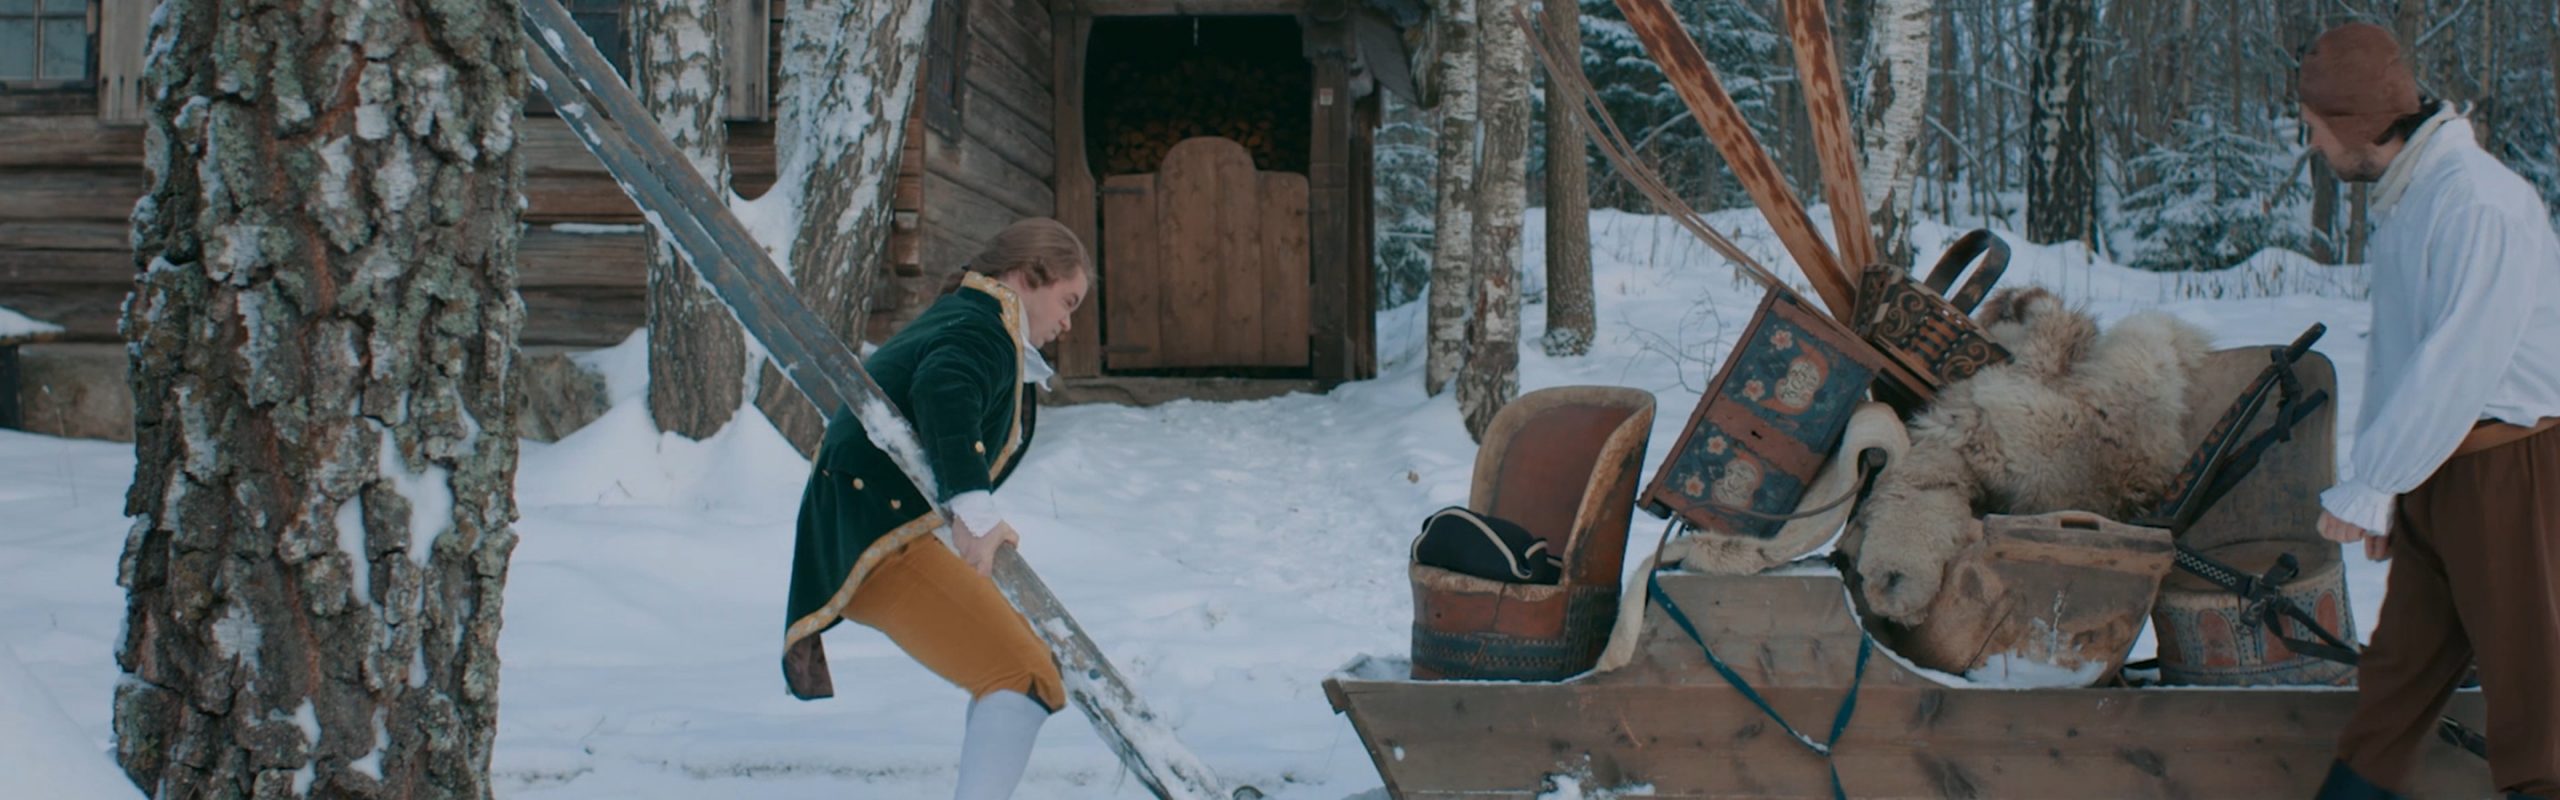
x=1493, y=548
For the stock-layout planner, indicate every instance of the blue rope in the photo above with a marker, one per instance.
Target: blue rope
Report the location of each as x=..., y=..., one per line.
x=1839, y=721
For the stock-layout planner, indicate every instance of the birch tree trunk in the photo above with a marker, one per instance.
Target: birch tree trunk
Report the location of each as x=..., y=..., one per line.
x=1571, y=310
x=1453, y=225
x=1897, y=80
x=697, y=354
x=2551, y=31
x=321, y=338
x=849, y=75
x=2062, y=169
x=1491, y=376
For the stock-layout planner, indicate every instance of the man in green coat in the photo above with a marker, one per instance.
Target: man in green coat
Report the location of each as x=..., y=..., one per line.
x=870, y=548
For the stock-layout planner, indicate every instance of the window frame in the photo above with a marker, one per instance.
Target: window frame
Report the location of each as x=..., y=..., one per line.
x=54, y=95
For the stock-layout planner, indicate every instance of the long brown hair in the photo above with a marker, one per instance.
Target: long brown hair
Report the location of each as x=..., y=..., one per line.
x=1039, y=246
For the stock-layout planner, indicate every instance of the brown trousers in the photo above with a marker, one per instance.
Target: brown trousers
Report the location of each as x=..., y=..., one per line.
x=2475, y=574
x=956, y=622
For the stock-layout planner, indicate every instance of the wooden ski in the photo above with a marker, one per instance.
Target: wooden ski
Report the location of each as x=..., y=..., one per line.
x=1687, y=70
x=1826, y=103
x=600, y=109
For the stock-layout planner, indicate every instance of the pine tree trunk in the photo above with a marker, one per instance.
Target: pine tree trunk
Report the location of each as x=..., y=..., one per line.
x=1491, y=376
x=1454, y=80
x=1571, y=309
x=697, y=354
x=849, y=75
x=321, y=340
x=1897, y=79
x=2062, y=169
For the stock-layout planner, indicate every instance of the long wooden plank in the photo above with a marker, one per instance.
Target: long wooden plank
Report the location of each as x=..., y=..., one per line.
x=68, y=234
x=58, y=142
x=56, y=195
x=1827, y=104
x=1284, y=269
x=1133, y=284
x=826, y=371
x=1187, y=211
x=1236, y=260
x=1687, y=70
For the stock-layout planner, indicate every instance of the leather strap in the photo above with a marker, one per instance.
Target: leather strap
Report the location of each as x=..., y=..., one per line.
x=2493, y=435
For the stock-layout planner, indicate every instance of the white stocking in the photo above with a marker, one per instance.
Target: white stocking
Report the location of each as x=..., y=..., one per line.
x=1002, y=727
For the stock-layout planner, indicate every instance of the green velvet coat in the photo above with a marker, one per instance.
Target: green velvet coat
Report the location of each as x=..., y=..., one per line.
x=955, y=374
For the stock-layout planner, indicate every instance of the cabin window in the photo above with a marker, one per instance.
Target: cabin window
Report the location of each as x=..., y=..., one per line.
x=44, y=44
x=945, y=50
x=602, y=20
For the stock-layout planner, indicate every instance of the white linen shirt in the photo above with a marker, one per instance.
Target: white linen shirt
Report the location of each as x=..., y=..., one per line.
x=2465, y=274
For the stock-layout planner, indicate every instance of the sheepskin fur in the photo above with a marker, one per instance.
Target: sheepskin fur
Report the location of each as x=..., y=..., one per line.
x=2078, y=420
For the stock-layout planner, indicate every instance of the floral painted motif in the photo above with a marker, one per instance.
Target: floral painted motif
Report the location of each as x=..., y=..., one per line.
x=1694, y=487
x=1783, y=340
x=1755, y=390
x=1718, y=445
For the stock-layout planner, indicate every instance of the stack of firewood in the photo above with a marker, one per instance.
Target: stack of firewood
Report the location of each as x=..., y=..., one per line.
x=1151, y=109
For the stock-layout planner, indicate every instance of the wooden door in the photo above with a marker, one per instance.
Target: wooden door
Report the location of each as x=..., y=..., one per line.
x=1205, y=263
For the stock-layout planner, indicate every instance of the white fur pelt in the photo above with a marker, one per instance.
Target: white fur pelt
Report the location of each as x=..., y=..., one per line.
x=2078, y=420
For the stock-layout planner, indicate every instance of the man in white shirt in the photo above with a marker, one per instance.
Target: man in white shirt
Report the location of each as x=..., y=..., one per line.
x=2455, y=469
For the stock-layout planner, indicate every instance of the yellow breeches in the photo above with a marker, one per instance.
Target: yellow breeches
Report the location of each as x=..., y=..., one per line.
x=956, y=623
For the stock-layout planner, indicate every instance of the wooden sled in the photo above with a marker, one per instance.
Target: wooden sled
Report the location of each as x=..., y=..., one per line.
x=1667, y=720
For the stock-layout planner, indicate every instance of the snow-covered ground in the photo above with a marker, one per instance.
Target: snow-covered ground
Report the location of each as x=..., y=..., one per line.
x=1226, y=556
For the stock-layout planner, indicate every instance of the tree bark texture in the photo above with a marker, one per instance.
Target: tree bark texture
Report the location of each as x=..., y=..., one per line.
x=697, y=354
x=321, y=340
x=2324, y=211
x=2062, y=168
x=849, y=75
x=1491, y=376
x=1571, y=310
x=1897, y=90
x=1453, y=225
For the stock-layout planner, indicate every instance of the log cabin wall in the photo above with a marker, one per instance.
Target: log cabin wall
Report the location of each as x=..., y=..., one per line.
x=988, y=148
x=71, y=171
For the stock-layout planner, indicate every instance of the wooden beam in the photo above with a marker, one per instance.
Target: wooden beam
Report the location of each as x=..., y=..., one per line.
x=1080, y=355
x=56, y=142
x=59, y=195
x=1329, y=213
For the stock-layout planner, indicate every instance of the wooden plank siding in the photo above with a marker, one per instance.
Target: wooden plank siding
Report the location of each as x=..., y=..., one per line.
x=999, y=169
x=68, y=185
